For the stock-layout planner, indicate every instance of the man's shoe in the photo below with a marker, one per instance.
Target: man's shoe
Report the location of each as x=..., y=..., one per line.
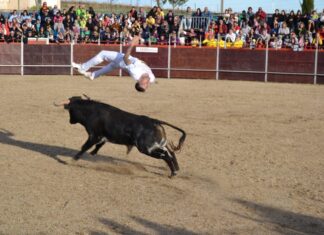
x=76, y=66
x=89, y=75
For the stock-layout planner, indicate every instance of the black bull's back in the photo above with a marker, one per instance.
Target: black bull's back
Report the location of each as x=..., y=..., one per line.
x=104, y=122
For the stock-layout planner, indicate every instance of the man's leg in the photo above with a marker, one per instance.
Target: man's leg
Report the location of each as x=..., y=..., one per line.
x=108, y=68
x=99, y=58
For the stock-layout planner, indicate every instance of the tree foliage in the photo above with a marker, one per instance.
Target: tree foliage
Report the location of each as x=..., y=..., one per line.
x=173, y=3
x=307, y=6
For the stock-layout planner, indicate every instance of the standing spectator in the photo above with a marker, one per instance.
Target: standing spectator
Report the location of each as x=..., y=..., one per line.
x=58, y=22
x=207, y=13
x=313, y=21
x=282, y=18
x=2, y=19
x=72, y=13
x=292, y=21
x=81, y=11
x=187, y=19
x=13, y=16
x=159, y=13
x=68, y=23
x=299, y=17
x=250, y=16
x=133, y=14
x=55, y=10
x=275, y=17
x=261, y=14
x=169, y=18
x=91, y=12
x=141, y=15
x=321, y=18
x=152, y=12
x=44, y=9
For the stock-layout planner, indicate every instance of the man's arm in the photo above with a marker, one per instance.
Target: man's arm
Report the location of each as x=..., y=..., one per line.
x=129, y=50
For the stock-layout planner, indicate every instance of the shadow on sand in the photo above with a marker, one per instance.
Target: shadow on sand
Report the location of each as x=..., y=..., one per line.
x=155, y=228
x=282, y=221
x=6, y=137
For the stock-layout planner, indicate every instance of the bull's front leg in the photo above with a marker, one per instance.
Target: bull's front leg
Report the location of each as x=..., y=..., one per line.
x=87, y=145
x=98, y=146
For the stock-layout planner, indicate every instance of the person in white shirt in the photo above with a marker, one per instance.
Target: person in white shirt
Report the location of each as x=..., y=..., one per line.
x=231, y=36
x=136, y=68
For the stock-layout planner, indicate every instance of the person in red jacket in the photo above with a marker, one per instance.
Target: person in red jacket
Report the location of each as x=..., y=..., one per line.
x=262, y=15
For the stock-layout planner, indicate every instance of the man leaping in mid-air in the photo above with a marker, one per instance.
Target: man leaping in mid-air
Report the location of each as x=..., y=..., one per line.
x=136, y=68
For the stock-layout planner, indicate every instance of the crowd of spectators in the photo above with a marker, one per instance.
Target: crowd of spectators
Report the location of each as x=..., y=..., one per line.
x=192, y=28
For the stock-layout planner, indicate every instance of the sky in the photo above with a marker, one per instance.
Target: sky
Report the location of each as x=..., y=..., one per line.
x=236, y=5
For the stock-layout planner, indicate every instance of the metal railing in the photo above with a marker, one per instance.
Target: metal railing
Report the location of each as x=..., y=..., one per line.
x=194, y=22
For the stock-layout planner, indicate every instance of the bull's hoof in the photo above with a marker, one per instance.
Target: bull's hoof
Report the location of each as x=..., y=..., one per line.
x=172, y=174
x=93, y=153
x=75, y=158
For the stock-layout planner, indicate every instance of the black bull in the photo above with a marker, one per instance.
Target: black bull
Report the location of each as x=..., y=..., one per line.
x=104, y=122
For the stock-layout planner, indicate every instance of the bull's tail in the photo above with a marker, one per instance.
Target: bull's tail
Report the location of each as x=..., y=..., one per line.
x=181, y=140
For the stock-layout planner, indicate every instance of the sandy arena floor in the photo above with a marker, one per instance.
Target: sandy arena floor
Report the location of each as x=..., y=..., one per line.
x=253, y=161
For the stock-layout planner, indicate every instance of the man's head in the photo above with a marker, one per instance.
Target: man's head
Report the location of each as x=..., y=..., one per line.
x=142, y=83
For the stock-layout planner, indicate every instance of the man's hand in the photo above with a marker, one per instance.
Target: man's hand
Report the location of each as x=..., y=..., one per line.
x=133, y=43
x=135, y=40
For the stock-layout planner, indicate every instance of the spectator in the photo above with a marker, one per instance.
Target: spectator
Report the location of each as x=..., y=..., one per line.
x=210, y=40
x=159, y=13
x=292, y=21
x=250, y=16
x=152, y=12
x=81, y=12
x=207, y=13
x=230, y=36
x=320, y=36
x=294, y=42
x=187, y=20
x=222, y=28
x=44, y=9
x=313, y=21
x=72, y=13
x=170, y=18
x=91, y=12
x=58, y=22
x=55, y=10
x=275, y=17
x=150, y=21
x=275, y=30
x=284, y=31
x=141, y=14
x=282, y=18
x=261, y=14
x=13, y=16
x=2, y=19
x=41, y=33
x=321, y=18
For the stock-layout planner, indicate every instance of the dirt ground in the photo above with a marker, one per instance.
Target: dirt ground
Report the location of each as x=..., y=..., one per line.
x=252, y=161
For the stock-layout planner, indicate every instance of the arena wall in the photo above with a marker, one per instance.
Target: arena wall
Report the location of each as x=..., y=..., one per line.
x=173, y=62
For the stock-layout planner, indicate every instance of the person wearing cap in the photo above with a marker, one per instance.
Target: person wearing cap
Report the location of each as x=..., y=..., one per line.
x=136, y=68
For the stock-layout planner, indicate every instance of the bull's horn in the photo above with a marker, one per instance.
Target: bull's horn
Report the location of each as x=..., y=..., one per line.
x=61, y=103
x=86, y=96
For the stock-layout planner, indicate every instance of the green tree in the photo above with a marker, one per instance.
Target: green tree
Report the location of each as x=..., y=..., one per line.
x=307, y=6
x=174, y=3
